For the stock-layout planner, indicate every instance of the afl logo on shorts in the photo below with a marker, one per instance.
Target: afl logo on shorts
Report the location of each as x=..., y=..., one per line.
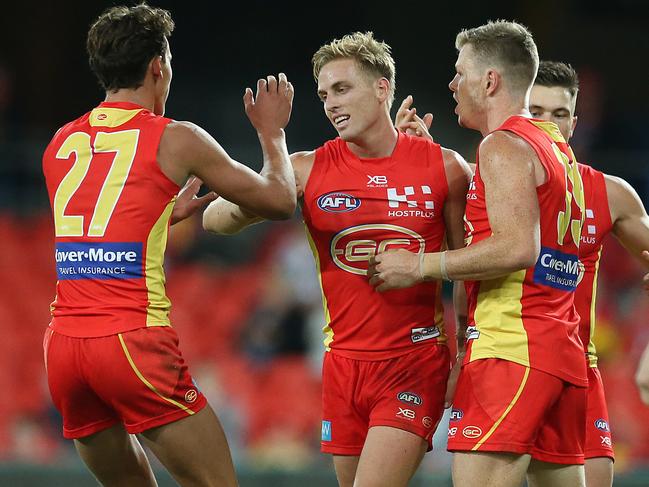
x=352, y=248
x=472, y=432
x=191, y=396
x=338, y=202
x=602, y=425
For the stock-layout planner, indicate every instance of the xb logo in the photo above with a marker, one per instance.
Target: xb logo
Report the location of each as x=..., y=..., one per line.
x=376, y=180
x=352, y=248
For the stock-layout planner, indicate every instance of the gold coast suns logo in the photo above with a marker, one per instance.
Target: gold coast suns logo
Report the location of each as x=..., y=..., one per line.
x=352, y=248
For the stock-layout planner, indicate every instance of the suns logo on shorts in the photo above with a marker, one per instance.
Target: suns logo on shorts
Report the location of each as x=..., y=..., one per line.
x=472, y=432
x=191, y=396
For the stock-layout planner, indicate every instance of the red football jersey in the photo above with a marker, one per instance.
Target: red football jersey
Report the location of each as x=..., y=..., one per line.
x=354, y=208
x=597, y=225
x=111, y=205
x=528, y=316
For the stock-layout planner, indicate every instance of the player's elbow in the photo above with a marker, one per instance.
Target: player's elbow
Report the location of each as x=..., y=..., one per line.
x=283, y=207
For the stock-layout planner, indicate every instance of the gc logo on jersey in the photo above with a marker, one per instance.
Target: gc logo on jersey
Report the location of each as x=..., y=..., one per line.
x=352, y=248
x=336, y=202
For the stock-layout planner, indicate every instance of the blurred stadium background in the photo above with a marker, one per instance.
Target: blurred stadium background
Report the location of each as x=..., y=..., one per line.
x=248, y=308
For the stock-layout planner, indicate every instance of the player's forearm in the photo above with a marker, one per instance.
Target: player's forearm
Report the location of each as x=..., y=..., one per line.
x=460, y=305
x=278, y=173
x=227, y=218
x=491, y=258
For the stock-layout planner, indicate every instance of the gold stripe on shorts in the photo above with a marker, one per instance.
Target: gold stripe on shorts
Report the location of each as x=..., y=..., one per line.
x=146, y=382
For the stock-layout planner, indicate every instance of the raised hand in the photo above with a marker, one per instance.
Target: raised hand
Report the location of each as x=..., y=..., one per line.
x=187, y=203
x=269, y=110
x=409, y=122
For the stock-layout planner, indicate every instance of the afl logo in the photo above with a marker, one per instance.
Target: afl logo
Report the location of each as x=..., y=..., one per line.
x=338, y=202
x=352, y=248
x=602, y=425
x=191, y=396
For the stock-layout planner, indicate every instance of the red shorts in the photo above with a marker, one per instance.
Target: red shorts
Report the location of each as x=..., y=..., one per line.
x=137, y=378
x=502, y=406
x=405, y=392
x=598, y=433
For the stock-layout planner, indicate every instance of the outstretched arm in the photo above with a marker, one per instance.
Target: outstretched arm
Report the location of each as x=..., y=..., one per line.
x=227, y=218
x=513, y=210
x=187, y=149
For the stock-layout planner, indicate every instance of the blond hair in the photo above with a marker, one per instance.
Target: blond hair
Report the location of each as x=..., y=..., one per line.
x=508, y=45
x=372, y=56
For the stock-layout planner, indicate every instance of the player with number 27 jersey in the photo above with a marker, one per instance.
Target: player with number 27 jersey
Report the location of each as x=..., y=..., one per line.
x=111, y=205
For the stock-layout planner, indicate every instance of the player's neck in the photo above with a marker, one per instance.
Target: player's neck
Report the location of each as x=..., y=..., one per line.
x=378, y=141
x=500, y=110
x=138, y=97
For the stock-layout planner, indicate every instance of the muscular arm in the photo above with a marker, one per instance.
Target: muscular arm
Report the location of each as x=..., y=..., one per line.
x=629, y=217
x=511, y=172
x=186, y=149
x=227, y=218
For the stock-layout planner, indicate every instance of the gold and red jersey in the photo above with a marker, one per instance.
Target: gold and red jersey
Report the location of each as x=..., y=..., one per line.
x=597, y=225
x=111, y=205
x=528, y=316
x=354, y=208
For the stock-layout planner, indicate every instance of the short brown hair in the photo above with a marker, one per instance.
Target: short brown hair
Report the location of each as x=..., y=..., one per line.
x=509, y=45
x=372, y=56
x=554, y=73
x=122, y=42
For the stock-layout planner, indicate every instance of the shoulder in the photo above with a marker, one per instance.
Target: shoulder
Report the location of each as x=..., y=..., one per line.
x=619, y=192
x=455, y=165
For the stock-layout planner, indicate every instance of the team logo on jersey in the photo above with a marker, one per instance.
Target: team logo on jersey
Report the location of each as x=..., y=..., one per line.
x=104, y=260
x=558, y=270
x=602, y=425
x=336, y=202
x=421, y=334
x=326, y=430
x=352, y=248
x=410, y=398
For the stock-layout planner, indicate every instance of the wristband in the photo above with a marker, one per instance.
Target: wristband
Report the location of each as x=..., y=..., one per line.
x=442, y=267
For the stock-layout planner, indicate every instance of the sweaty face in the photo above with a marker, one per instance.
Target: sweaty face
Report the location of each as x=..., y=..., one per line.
x=466, y=89
x=350, y=98
x=554, y=104
x=163, y=83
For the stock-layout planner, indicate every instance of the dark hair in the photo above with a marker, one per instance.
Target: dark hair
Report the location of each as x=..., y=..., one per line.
x=509, y=45
x=122, y=42
x=554, y=73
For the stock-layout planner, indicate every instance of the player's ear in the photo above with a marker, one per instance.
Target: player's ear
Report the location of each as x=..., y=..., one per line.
x=574, y=125
x=155, y=67
x=492, y=81
x=383, y=89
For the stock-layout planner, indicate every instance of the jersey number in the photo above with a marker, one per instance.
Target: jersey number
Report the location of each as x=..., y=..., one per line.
x=574, y=189
x=123, y=144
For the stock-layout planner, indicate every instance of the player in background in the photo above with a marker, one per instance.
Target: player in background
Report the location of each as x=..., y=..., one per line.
x=612, y=206
x=523, y=376
x=386, y=361
x=112, y=359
